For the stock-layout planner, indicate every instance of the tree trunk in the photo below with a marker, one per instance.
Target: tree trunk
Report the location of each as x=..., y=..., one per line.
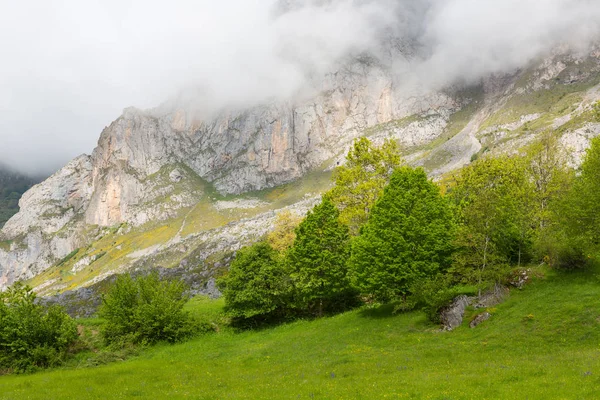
x=485, y=247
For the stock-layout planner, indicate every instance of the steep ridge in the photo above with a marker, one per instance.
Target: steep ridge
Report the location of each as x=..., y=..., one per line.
x=12, y=187
x=163, y=186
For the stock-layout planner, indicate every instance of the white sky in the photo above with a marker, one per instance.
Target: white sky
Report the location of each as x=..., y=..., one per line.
x=68, y=67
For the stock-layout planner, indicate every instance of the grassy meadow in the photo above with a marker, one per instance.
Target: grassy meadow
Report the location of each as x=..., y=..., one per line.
x=543, y=342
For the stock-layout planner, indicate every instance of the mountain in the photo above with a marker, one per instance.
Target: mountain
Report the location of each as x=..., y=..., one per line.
x=12, y=187
x=165, y=187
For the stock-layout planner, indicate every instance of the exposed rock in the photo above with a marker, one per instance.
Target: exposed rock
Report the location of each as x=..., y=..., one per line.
x=176, y=176
x=452, y=316
x=492, y=297
x=149, y=165
x=240, y=204
x=479, y=319
x=520, y=278
x=577, y=141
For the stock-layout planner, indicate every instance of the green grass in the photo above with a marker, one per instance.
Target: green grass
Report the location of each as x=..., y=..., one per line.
x=553, y=102
x=542, y=343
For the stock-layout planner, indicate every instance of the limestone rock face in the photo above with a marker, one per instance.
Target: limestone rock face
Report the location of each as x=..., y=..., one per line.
x=51, y=204
x=149, y=165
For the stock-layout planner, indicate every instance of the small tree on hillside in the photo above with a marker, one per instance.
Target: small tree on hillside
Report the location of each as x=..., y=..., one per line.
x=579, y=213
x=318, y=260
x=551, y=179
x=491, y=198
x=145, y=309
x=360, y=182
x=32, y=335
x=284, y=233
x=408, y=237
x=256, y=286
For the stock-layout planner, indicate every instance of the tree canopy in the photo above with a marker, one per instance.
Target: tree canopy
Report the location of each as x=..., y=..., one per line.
x=318, y=259
x=360, y=181
x=407, y=237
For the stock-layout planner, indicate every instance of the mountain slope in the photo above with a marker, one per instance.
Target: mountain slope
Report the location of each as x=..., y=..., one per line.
x=12, y=187
x=164, y=187
x=541, y=343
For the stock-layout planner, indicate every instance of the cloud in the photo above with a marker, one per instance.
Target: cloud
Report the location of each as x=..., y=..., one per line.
x=69, y=67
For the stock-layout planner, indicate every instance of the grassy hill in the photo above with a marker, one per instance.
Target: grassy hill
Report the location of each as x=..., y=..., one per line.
x=542, y=343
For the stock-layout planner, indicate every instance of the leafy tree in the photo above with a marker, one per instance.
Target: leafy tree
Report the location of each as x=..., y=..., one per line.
x=490, y=196
x=408, y=237
x=32, y=335
x=579, y=213
x=257, y=286
x=283, y=234
x=361, y=180
x=318, y=259
x=145, y=310
x=551, y=178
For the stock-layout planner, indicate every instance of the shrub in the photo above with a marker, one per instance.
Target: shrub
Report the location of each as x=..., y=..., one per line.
x=257, y=287
x=32, y=335
x=145, y=310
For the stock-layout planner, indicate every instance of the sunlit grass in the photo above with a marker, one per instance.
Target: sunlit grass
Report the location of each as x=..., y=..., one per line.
x=542, y=343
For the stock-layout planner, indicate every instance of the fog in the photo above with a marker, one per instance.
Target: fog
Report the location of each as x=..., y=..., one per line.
x=69, y=67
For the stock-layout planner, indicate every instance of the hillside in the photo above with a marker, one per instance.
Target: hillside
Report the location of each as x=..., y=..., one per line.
x=12, y=187
x=163, y=188
x=541, y=343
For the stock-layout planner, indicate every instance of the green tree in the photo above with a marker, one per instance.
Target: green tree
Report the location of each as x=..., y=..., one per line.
x=32, y=335
x=145, y=310
x=318, y=259
x=579, y=213
x=284, y=233
x=408, y=237
x=360, y=181
x=491, y=198
x=551, y=178
x=257, y=286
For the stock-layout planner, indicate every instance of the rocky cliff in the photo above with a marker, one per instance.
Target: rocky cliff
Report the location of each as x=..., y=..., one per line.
x=163, y=183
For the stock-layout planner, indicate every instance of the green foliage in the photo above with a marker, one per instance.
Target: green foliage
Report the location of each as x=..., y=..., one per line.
x=32, y=335
x=541, y=343
x=578, y=214
x=317, y=260
x=284, y=233
x=408, y=237
x=68, y=257
x=492, y=200
x=551, y=178
x=145, y=310
x=361, y=180
x=257, y=286
x=437, y=292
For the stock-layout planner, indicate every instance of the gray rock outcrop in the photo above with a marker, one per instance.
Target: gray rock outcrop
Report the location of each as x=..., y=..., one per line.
x=452, y=316
x=149, y=165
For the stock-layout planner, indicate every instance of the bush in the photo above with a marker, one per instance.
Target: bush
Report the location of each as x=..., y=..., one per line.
x=145, y=310
x=32, y=335
x=257, y=288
